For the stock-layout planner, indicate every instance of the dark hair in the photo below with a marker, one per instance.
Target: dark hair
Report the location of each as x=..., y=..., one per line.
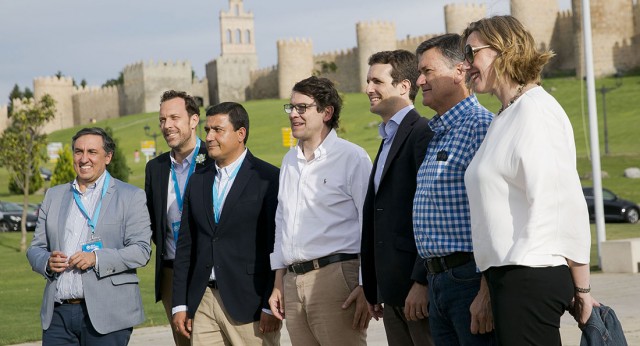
x=447, y=44
x=238, y=116
x=108, y=145
x=324, y=93
x=404, y=65
x=519, y=59
x=190, y=102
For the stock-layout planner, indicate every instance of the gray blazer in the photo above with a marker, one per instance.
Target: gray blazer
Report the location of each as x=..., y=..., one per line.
x=111, y=291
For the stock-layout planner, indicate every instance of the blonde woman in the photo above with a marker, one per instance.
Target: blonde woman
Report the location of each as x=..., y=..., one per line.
x=530, y=226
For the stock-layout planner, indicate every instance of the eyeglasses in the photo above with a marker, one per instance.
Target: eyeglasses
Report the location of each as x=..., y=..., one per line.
x=470, y=52
x=300, y=108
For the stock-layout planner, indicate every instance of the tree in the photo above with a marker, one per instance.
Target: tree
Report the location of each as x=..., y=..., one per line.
x=118, y=167
x=15, y=93
x=35, y=183
x=63, y=172
x=23, y=146
x=115, y=82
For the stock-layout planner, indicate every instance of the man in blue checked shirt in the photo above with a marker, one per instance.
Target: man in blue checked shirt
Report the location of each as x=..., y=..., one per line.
x=459, y=304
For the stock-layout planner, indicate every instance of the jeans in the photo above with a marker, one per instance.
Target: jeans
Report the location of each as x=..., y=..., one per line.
x=602, y=328
x=450, y=296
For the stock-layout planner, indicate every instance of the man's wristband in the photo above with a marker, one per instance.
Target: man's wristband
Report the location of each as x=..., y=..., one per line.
x=582, y=290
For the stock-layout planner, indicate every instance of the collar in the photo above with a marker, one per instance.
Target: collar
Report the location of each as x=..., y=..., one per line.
x=389, y=129
x=321, y=151
x=454, y=116
x=187, y=161
x=228, y=169
x=96, y=184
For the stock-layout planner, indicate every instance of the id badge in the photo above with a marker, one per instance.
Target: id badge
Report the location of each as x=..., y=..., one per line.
x=92, y=245
x=175, y=228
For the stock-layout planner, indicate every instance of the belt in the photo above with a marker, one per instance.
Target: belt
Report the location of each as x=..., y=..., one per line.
x=437, y=265
x=167, y=263
x=70, y=301
x=305, y=267
x=213, y=284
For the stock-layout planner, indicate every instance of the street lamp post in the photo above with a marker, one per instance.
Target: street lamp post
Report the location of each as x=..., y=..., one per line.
x=604, y=90
x=153, y=135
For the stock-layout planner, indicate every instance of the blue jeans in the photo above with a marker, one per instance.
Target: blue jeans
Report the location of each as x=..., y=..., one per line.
x=602, y=328
x=450, y=296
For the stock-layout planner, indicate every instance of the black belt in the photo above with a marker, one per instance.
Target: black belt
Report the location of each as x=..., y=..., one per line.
x=437, y=265
x=167, y=263
x=305, y=267
x=70, y=301
x=213, y=284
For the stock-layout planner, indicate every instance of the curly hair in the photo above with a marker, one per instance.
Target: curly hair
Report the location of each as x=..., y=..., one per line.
x=324, y=93
x=518, y=57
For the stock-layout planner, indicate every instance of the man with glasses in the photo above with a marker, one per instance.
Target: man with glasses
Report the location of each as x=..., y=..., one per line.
x=390, y=272
x=459, y=304
x=323, y=182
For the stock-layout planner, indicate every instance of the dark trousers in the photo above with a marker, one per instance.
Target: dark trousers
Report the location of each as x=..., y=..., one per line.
x=402, y=332
x=71, y=325
x=528, y=302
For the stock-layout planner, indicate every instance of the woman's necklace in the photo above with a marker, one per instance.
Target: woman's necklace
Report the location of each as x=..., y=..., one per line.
x=518, y=93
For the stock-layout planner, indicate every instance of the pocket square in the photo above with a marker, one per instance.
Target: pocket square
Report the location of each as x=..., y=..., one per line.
x=442, y=155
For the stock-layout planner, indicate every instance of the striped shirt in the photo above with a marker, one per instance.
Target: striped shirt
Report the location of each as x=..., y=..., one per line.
x=441, y=217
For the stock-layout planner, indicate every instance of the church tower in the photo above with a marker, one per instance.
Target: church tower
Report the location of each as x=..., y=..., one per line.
x=238, y=56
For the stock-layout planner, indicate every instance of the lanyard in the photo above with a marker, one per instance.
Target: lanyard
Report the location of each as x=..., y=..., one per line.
x=219, y=197
x=192, y=167
x=96, y=213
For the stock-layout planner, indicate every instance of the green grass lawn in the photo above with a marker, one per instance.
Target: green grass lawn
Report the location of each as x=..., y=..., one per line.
x=21, y=290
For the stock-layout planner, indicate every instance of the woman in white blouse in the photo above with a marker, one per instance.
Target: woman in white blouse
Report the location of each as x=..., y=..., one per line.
x=530, y=225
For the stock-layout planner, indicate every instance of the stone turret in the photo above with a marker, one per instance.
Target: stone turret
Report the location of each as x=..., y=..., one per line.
x=229, y=76
x=295, y=63
x=611, y=24
x=539, y=17
x=61, y=90
x=4, y=118
x=458, y=16
x=373, y=37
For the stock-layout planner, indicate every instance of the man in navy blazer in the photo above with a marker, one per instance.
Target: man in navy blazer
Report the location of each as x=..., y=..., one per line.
x=392, y=271
x=166, y=178
x=91, y=236
x=222, y=277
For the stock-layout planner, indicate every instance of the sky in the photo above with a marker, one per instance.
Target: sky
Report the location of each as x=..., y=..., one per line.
x=95, y=40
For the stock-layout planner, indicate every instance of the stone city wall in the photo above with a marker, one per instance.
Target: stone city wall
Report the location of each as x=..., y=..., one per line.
x=61, y=90
x=264, y=83
x=346, y=75
x=4, y=117
x=372, y=37
x=458, y=16
x=295, y=63
x=95, y=103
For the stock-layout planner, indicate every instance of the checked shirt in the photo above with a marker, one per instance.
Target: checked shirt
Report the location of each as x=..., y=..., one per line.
x=441, y=217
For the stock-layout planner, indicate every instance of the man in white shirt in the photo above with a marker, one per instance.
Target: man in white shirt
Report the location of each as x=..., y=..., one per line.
x=323, y=182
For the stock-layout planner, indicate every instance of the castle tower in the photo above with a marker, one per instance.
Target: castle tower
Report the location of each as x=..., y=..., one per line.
x=230, y=75
x=539, y=17
x=4, y=118
x=373, y=37
x=61, y=90
x=295, y=63
x=458, y=16
x=612, y=23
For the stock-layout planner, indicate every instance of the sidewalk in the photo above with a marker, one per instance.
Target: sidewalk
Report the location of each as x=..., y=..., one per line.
x=620, y=291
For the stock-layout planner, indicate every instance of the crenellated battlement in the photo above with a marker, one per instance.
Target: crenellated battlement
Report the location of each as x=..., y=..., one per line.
x=464, y=6
x=334, y=55
x=52, y=81
x=565, y=14
x=379, y=24
x=458, y=15
x=295, y=42
x=112, y=89
x=410, y=43
x=263, y=71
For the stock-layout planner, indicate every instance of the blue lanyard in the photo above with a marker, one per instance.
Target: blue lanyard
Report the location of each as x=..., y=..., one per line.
x=192, y=167
x=96, y=213
x=218, y=198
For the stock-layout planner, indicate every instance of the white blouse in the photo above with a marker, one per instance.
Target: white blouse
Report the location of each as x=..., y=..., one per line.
x=527, y=205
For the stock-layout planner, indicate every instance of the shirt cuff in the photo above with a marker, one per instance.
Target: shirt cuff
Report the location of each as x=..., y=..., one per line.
x=267, y=311
x=177, y=309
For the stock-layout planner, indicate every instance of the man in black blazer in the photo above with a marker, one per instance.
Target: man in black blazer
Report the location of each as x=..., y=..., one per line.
x=222, y=278
x=392, y=272
x=179, y=116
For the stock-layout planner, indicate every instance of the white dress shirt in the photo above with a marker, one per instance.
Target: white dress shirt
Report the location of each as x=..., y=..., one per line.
x=527, y=206
x=320, y=202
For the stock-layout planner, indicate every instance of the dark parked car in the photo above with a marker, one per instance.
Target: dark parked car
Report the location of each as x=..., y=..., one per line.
x=615, y=208
x=11, y=215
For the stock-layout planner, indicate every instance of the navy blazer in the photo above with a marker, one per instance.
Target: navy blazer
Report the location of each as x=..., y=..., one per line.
x=238, y=247
x=156, y=185
x=389, y=258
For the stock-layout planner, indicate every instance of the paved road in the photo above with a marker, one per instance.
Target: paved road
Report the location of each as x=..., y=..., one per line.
x=620, y=291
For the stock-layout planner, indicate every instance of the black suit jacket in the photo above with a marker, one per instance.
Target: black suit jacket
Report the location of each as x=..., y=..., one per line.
x=389, y=258
x=238, y=247
x=156, y=184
